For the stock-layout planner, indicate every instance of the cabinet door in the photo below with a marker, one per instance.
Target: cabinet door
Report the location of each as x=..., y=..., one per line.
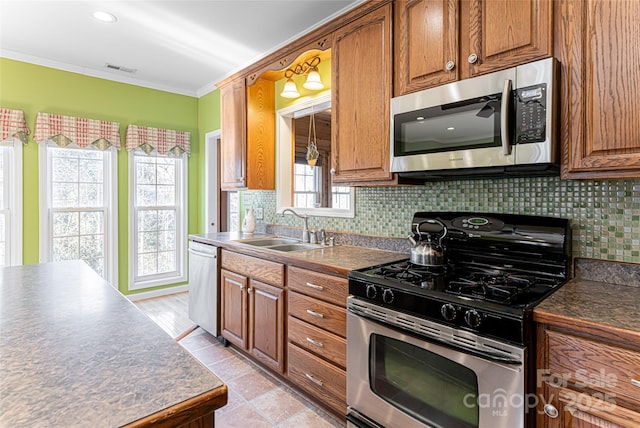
x=566, y=408
x=233, y=136
x=361, y=92
x=425, y=44
x=598, y=49
x=505, y=33
x=266, y=328
x=261, y=117
x=234, y=307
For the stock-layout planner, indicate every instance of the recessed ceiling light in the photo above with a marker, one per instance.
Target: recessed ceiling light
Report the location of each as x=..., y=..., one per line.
x=103, y=16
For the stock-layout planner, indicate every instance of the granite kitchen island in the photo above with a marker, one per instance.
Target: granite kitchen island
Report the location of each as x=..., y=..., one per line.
x=75, y=352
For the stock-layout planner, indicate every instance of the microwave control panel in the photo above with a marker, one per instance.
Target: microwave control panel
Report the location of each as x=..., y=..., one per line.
x=531, y=112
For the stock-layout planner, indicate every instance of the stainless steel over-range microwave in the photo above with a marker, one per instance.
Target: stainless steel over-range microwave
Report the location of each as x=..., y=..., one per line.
x=500, y=123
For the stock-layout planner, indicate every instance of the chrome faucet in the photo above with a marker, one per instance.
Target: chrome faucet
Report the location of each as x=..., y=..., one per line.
x=322, y=237
x=305, y=218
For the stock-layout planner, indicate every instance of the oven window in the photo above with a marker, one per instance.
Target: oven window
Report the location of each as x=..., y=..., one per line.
x=464, y=125
x=425, y=385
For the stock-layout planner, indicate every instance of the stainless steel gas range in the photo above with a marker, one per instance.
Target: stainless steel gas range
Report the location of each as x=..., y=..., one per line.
x=452, y=345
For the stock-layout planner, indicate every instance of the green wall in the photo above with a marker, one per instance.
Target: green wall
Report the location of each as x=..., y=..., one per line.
x=34, y=88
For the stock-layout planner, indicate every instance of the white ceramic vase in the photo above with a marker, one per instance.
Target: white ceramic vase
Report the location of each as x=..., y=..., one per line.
x=249, y=222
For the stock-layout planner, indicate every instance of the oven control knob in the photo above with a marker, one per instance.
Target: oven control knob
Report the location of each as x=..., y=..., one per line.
x=371, y=291
x=472, y=318
x=448, y=312
x=387, y=296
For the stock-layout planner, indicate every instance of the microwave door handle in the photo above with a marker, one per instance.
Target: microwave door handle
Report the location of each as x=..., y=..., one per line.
x=504, y=117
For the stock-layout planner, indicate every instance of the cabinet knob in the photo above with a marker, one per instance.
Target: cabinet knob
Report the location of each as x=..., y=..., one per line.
x=242, y=287
x=332, y=171
x=551, y=411
x=450, y=65
x=249, y=290
x=472, y=58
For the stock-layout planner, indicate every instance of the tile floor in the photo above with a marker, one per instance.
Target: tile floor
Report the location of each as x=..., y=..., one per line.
x=257, y=398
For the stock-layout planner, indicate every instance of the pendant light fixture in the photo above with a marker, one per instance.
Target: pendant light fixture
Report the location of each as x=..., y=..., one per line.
x=313, y=81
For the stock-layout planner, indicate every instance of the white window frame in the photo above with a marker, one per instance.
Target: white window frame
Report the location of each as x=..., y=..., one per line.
x=285, y=158
x=170, y=278
x=110, y=211
x=13, y=221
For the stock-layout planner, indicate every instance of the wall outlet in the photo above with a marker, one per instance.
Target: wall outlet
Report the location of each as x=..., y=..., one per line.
x=258, y=213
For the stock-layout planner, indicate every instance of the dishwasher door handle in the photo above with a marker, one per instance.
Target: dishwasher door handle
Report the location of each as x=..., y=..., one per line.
x=198, y=253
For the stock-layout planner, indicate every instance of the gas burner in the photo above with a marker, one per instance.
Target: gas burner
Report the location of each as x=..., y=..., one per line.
x=413, y=274
x=490, y=284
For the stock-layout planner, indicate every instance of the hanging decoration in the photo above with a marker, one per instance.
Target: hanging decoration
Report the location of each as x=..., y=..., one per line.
x=161, y=140
x=65, y=130
x=13, y=125
x=312, y=148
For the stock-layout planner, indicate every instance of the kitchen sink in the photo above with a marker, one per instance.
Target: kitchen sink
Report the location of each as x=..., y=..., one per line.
x=294, y=247
x=266, y=242
x=278, y=244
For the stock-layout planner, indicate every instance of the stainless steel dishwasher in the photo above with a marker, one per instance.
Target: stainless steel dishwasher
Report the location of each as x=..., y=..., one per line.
x=203, y=286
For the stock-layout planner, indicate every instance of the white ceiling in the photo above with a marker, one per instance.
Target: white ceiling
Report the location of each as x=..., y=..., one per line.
x=179, y=46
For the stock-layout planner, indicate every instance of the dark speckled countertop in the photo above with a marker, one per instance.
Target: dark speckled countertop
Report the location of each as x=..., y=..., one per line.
x=339, y=259
x=75, y=352
x=594, y=307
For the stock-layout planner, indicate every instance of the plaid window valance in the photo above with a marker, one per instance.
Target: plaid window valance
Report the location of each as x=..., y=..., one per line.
x=64, y=130
x=13, y=125
x=161, y=140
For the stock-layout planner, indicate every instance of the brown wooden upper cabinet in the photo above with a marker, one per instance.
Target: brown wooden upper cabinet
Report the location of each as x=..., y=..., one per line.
x=439, y=41
x=597, y=45
x=247, y=129
x=361, y=94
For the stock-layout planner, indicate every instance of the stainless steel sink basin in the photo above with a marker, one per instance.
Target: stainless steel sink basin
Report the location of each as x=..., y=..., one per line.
x=267, y=242
x=294, y=247
x=278, y=244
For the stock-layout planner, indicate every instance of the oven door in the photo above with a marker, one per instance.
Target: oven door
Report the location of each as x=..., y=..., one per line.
x=401, y=380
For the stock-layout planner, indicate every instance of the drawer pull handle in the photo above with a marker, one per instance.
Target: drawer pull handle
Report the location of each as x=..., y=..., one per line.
x=314, y=286
x=315, y=342
x=635, y=382
x=314, y=314
x=313, y=379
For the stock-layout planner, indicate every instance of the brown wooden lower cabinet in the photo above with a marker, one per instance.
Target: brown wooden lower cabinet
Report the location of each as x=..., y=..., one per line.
x=317, y=330
x=253, y=307
x=298, y=330
x=318, y=377
x=586, y=381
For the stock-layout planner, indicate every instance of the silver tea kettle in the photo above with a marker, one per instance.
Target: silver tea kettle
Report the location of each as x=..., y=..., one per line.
x=429, y=252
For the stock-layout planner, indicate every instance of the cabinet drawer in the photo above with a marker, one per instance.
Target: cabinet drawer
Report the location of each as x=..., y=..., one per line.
x=324, y=315
x=331, y=288
x=253, y=267
x=318, y=341
x=595, y=365
x=319, y=378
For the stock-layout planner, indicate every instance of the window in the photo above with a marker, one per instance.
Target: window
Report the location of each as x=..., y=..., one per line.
x=157, y=220
x=10, y=202
x=308, y=191
x=79, y=207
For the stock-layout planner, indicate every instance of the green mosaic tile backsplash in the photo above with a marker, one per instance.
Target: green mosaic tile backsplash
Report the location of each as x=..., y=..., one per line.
x=605, y=215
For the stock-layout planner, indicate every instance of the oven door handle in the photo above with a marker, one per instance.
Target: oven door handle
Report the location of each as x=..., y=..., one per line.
x=490, y=356
x=494, y=357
